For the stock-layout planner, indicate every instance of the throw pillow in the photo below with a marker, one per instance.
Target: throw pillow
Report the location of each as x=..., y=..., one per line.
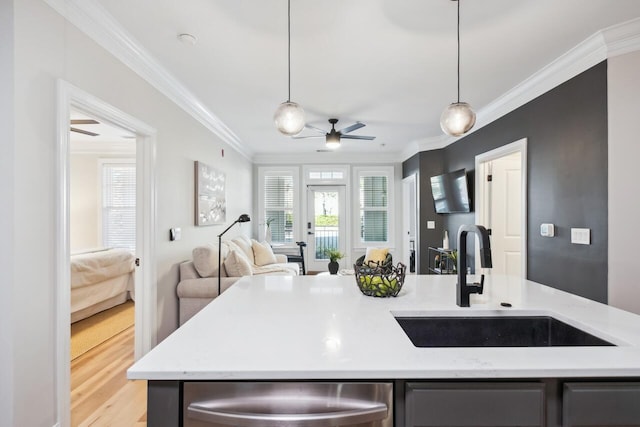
x=237, y=265
x=244, y=243
x=262, y=253
x=205, y=260
x=375, y=255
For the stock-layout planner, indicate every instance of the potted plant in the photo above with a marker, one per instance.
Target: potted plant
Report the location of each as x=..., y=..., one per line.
x=334, y=255
x=453, y=257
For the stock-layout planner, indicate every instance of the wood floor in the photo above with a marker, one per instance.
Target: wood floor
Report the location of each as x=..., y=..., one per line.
x=101, y=395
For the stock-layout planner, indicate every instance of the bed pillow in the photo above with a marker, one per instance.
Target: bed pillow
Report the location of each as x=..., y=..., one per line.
x=237, y=265
x=205, y=260
x=375, y=255
x=262, y=253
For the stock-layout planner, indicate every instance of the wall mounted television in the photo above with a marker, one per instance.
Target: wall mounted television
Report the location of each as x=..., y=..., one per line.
x=450, y=193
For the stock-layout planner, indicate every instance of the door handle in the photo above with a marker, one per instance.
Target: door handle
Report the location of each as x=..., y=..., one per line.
x=310, y=232
x=238, y=413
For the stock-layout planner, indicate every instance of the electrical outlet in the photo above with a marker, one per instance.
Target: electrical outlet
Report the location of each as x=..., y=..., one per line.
x=431, y=225
x=581, y=236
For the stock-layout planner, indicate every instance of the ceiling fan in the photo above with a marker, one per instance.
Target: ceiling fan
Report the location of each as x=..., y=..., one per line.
x=334, y=136
x=83, y=122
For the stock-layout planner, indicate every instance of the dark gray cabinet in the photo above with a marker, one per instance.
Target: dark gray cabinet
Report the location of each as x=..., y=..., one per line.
x=601, y=404
x=463, y=404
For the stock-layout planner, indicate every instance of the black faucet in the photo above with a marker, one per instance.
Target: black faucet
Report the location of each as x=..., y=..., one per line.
x=463, y=290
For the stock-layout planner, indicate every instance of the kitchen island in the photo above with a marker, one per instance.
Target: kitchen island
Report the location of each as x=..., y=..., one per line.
x=323, y=328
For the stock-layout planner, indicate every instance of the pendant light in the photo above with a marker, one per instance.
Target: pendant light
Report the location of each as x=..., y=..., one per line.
x=458, y=118
x=289, y=117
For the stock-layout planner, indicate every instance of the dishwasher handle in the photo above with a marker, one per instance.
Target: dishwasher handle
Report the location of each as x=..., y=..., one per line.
x=230, y=416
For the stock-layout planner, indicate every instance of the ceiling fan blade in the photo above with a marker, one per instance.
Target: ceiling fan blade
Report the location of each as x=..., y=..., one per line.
x=368, y=138
x=352, y=128
x=84, y=122
x=322, y=131
x=84, y=132
x=310, y=136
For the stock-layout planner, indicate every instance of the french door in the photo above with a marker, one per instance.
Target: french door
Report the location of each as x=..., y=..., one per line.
x=326, y=224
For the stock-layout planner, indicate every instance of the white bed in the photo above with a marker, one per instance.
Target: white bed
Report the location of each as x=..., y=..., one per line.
x=100, y=279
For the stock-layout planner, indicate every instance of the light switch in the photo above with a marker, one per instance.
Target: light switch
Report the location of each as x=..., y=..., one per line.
x=175, y=233
x=581, y=236
x=431, y=225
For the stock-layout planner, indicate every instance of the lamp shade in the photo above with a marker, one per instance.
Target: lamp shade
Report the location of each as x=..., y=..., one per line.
x=289, y=118
x=457, y=119
x=332, y=141
x=244, y=218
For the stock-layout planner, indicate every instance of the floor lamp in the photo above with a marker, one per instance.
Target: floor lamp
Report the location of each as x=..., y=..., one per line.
x=242, y=218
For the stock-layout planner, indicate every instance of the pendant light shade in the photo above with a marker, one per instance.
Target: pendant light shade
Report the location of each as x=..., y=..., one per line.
x=289, y=117
x=458, y=118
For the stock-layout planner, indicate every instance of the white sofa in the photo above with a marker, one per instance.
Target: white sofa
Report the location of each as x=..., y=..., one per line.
x=241, y=256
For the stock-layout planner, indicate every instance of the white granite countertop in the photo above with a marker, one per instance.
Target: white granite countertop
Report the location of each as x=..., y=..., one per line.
x=323, y=327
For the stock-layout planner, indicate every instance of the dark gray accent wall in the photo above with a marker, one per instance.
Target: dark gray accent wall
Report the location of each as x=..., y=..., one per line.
x=425, y=165
x=566, y=131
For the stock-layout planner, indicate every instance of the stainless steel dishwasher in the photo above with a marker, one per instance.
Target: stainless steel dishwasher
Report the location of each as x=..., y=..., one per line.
x=288, y=404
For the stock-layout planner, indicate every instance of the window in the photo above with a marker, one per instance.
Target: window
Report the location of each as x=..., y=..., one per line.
x=373, y=208
x=278, y=203
x=328, y=175
x=119, y=204
x=374, y=194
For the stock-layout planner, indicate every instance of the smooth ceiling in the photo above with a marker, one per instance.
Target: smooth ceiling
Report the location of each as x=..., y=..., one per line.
x=388, y=63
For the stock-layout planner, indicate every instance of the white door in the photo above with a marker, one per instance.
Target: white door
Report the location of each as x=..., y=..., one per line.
x=505, y=214
x=326, y=225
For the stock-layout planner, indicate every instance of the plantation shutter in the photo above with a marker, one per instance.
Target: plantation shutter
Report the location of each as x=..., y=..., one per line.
x=373, y=208
x=278, y=200
x=119, y=205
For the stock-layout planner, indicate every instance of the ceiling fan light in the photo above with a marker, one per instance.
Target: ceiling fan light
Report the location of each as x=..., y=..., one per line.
x=289, y=118
x=333, y=141
x=457, y=119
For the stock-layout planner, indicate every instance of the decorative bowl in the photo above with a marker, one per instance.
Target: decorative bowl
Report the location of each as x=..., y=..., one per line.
x=380, y=281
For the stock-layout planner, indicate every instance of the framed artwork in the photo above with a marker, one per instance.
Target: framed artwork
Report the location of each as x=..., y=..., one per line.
x=211, y=204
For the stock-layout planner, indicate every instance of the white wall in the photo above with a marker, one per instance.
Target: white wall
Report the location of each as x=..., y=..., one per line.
x=6, y=213
x=624, y=206
x=83, y=202
x=48, y=48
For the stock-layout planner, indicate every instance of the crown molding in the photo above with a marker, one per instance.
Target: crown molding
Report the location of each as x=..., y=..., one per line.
x=613, y=41
x=333, y=157
x=622, y=38
x=93, y=20
x=580, y=58
x=435, y=142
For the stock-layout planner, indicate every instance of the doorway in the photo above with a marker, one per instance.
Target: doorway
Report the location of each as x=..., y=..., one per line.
x=501, y=189
x=409, y=223
x=326, y=224
x=71, y=99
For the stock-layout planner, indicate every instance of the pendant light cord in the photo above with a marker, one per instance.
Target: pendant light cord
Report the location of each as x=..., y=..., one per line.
x=458, y=1
x=289, y=47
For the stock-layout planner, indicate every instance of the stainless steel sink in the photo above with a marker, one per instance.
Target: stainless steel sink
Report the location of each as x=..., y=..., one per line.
x=495, y=331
